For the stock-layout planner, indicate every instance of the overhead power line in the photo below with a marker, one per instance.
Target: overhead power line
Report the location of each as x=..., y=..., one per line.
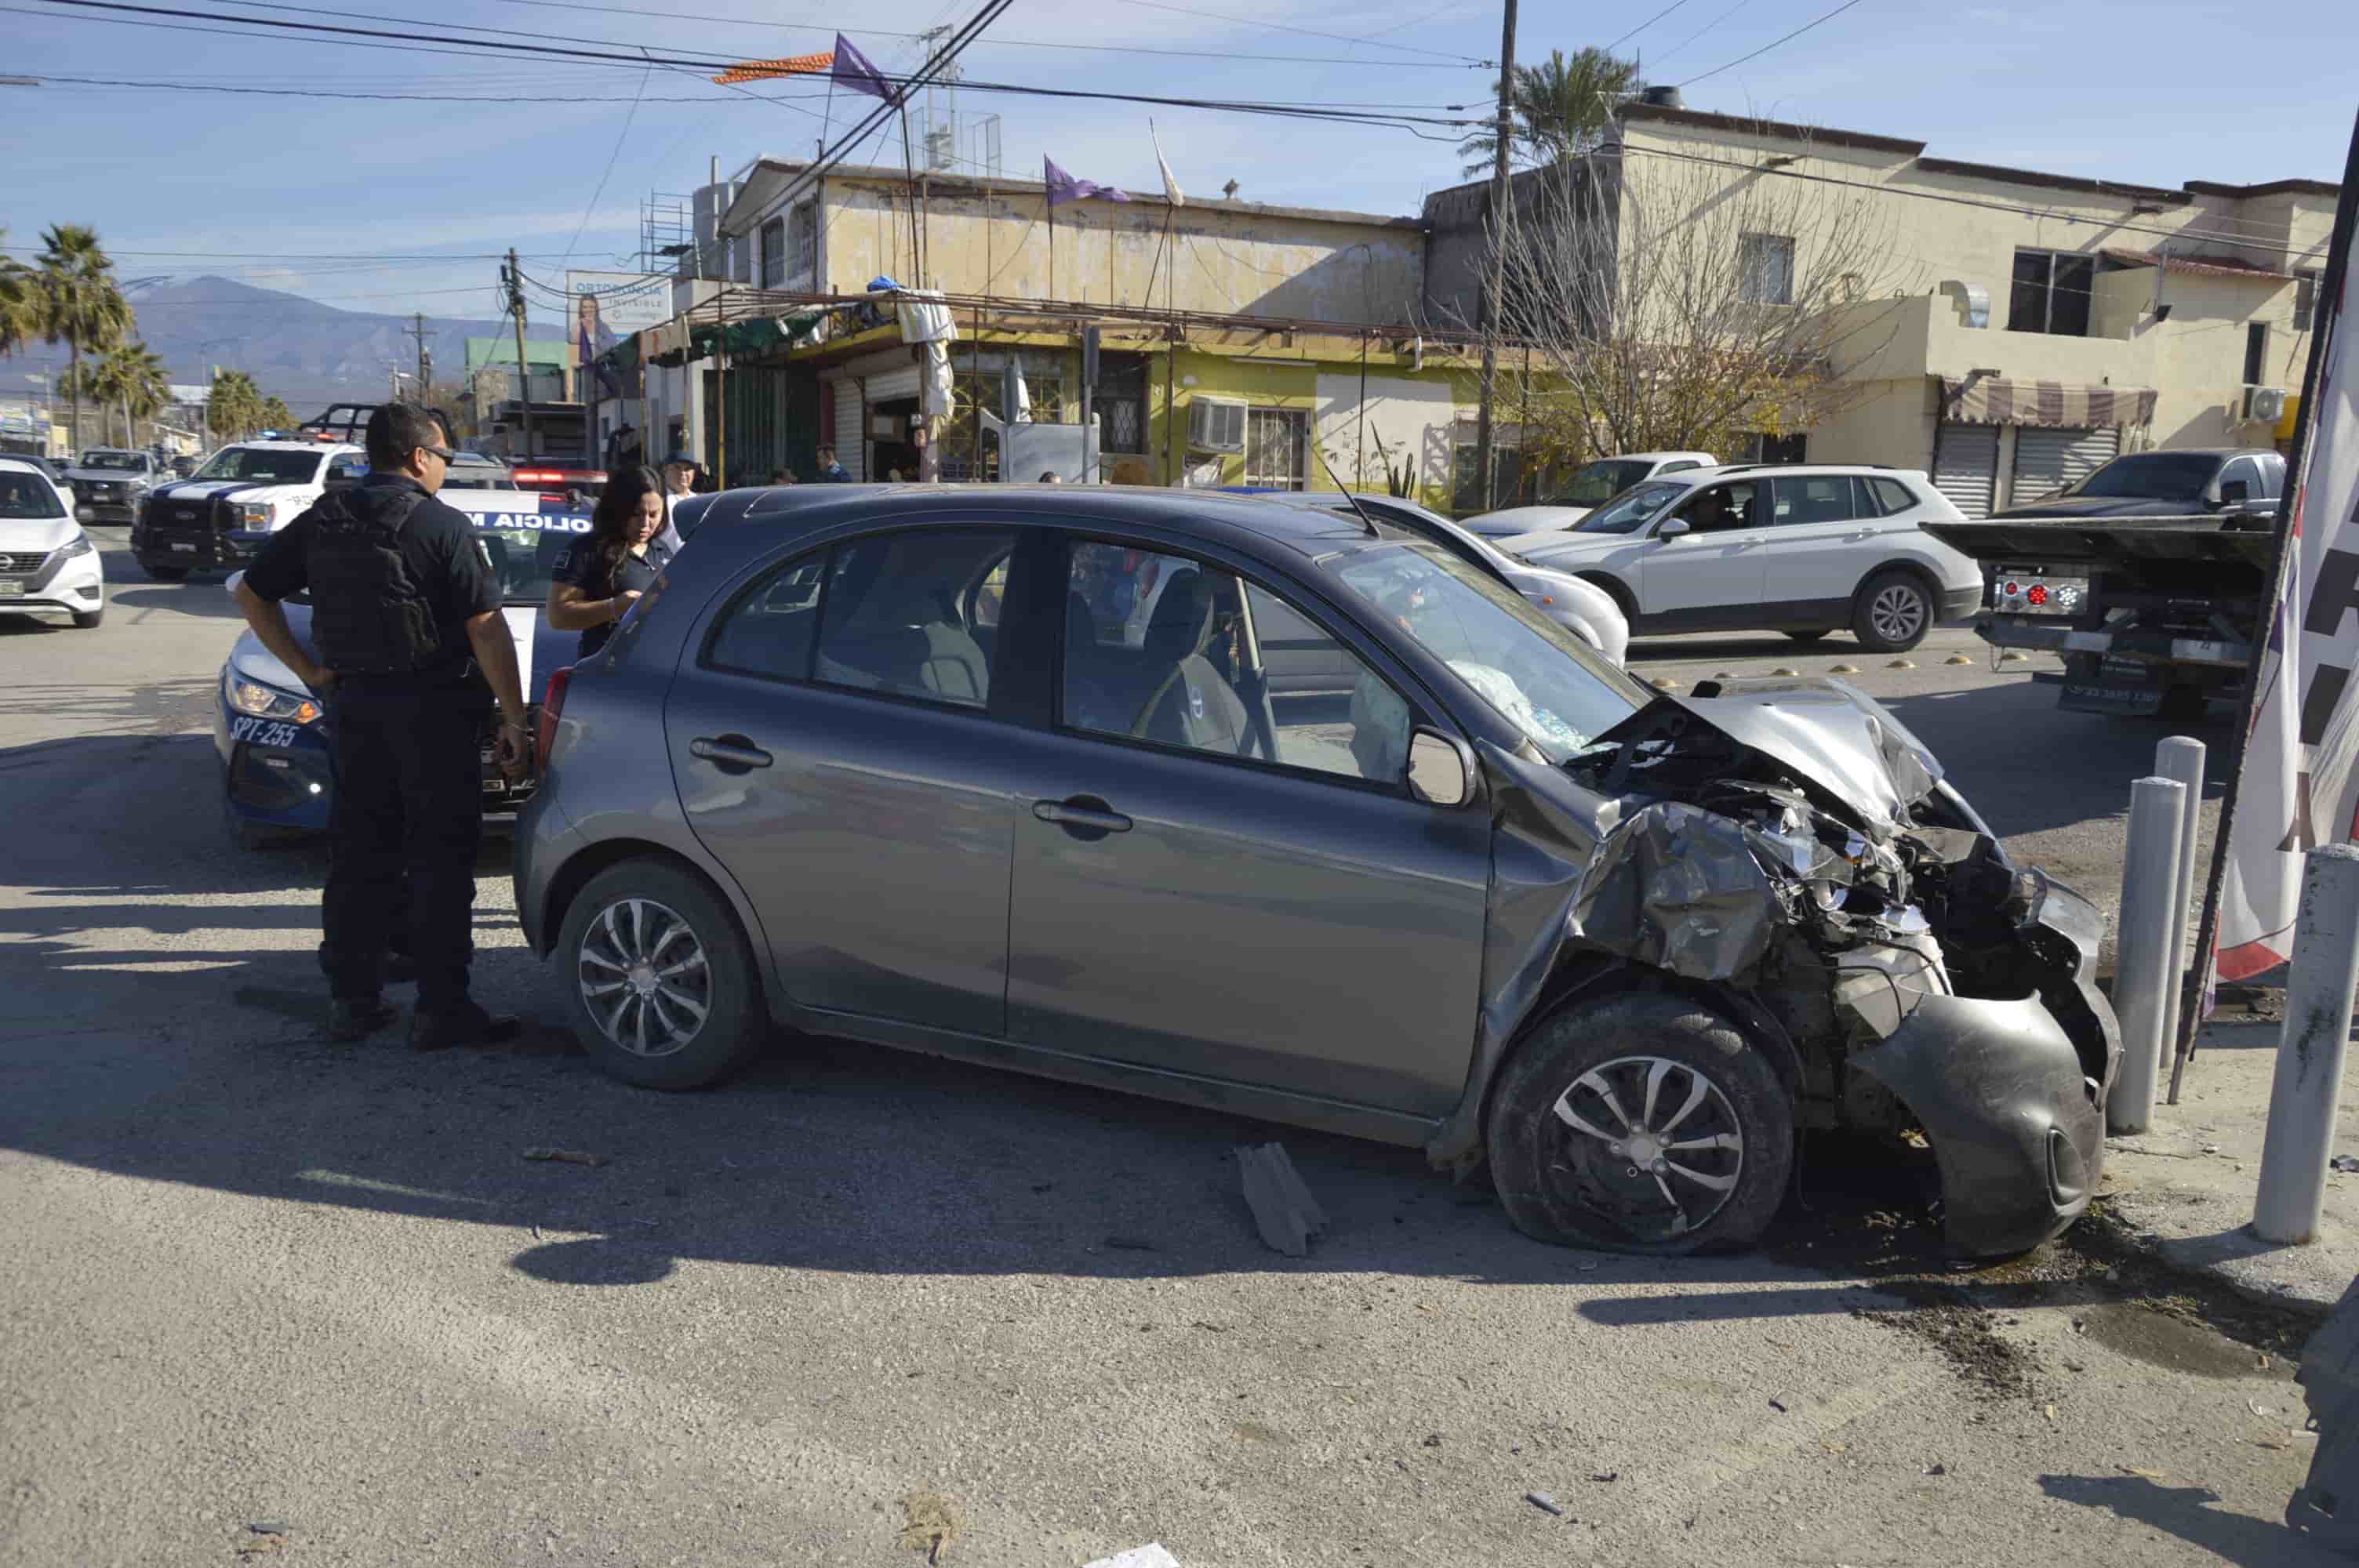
x=1765, y=48
x=764, y=24
x=339, y=32
x=1306, y=32
x=1642, y=27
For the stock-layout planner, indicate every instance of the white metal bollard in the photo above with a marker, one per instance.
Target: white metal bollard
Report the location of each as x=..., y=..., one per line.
x=2142, y=950
x=2319, y=980
x=2182, y=758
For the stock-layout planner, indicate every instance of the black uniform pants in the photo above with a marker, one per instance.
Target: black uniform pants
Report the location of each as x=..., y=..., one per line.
x=403, y=832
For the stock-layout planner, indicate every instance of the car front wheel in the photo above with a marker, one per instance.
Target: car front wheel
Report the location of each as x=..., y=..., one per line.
x=1893, y=613
x=659, y=979
x=1640, y=1123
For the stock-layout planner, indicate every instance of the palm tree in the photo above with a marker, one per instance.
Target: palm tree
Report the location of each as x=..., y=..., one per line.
x=135, y=379
x=20, y=313
x=81, y=305
x=1559, y=107
x=276, y=415
x=234, y=408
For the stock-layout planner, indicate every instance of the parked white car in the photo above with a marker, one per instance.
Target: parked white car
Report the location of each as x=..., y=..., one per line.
x=48, y=567
x=1803, y=549
x=1598, y=482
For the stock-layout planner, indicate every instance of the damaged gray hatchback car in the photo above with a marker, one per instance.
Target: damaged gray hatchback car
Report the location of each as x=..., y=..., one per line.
x=1000, y=773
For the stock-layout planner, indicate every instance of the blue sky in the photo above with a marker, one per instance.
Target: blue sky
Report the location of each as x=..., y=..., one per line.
x=2159, y=92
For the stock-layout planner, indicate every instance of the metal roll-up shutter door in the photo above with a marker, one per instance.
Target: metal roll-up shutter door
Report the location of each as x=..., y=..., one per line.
x=1968, y=468
x=851, y=428
x=892, y=384
x=2056, y=459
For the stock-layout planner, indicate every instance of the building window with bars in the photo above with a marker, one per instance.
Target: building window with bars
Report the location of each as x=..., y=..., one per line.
x=774, y=254
x=2050, y=293
x=1120, y=402
x=1274, y=439
x=1764, y=269
x=802, y=244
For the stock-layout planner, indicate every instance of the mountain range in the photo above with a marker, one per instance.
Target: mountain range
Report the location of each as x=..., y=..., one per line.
x=308, y=353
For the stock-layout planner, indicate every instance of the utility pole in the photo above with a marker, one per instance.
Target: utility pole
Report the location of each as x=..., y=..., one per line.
x=417, y=329
x=514, y=278
x=1502, y=193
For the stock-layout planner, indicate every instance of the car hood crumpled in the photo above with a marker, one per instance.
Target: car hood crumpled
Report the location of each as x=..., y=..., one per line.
x=1826, y=730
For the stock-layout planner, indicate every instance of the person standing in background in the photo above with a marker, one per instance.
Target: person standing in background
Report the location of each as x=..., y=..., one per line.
x=829, y=471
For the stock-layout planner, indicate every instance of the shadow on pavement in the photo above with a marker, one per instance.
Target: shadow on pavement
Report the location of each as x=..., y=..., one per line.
x=193, y=597
x=2184, y=1511
x=2027, y=766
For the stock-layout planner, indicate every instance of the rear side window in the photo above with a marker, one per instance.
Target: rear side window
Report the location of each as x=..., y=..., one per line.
x=773, y=629
x=909, y=614
x=1814, y=498
x=1882, y=497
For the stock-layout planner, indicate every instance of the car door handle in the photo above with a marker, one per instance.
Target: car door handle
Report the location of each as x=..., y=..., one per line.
x=729, y=753
x=1084, y=815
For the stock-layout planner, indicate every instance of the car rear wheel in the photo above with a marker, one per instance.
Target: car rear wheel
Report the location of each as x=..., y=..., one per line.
x=1893, y=612
x=659, y=979
x=166, y=574
x=1640, y=1123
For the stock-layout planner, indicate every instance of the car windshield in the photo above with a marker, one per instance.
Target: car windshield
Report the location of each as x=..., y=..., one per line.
x=2156, y=476
x=1629, y=511
x=129, y=462
x=262, y=465
x=1538, y=676
x=523, y=550
x=1601, y=481
x=25, y=494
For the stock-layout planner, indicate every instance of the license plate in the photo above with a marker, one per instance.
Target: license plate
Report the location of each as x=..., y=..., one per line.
x=192, y=549
x=2032, y=592
x=11, y=590
x=83, y=514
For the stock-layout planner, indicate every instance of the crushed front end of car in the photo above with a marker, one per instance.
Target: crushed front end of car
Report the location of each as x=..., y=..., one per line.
x=1790, y=848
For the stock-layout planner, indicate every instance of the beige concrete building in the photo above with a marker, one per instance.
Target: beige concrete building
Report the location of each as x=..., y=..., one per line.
x=2011, y=303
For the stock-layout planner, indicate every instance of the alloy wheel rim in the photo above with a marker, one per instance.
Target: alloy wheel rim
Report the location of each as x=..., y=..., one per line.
x=1897, y=612
x=644, y=974
x=1650, y=1143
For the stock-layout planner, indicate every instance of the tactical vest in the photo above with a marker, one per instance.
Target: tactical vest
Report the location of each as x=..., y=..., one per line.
x=370, y=614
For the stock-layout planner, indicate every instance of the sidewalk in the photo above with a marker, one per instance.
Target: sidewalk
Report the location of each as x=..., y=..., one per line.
x=2184, y=1187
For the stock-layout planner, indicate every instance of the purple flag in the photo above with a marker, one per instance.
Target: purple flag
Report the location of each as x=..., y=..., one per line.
x=853, y=73
x=1065, y=187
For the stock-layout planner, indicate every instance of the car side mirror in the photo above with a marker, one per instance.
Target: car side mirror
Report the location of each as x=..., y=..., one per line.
x=1671, y=528
x=1440, y=769
x=2235, y=493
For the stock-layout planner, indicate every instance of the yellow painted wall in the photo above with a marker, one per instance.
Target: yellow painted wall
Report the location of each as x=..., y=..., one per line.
x=998, y=243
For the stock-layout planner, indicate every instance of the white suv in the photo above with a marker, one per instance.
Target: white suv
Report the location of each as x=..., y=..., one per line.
x=1804, y=549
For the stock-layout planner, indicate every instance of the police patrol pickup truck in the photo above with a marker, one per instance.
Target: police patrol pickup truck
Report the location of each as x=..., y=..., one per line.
x=215, y=520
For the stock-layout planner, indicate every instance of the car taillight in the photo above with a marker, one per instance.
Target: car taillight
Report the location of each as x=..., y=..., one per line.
x=552, y=709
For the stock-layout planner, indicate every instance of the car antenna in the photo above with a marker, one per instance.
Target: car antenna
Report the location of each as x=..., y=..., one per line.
x=1365, y=521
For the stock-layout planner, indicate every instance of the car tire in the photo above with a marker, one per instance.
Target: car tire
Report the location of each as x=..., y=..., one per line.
x=88, y=620
x=1561, y=1183
x=165, y=574
x=1893, y=611
x=1620, y=595
x=1815, y=634
x=632, y=920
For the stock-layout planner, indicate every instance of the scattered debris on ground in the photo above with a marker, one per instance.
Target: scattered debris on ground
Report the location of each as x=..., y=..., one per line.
x=565, y=1156
x=263, y=1538
x=1283, y=1209
x=1545, y=1503
x=1151, y=1555
x=930, y=1524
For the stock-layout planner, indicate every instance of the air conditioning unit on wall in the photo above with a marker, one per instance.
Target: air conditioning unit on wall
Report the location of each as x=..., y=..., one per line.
x=1216, y=424
x=2265, y=405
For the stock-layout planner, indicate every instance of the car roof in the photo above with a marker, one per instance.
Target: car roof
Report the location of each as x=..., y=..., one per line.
x=2205, y=452
x=1792, y=471
x=1218, y=515
x=11, y=460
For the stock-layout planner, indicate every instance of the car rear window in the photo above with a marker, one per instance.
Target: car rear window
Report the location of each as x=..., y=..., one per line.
x=1882, y=497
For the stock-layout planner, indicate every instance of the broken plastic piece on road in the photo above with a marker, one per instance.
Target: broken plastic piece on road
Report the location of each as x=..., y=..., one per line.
x=2345, y=1162
x=1151, y=1555
x=565, y=1156
x=1606, y=1475
x=1781, y=1405
x=1543, y=1502
x=1935, y=1469
x=1283, y=1209
x=1433, y=1440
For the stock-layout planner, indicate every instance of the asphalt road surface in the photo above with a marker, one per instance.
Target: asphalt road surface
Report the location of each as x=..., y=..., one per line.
x=858, y=1306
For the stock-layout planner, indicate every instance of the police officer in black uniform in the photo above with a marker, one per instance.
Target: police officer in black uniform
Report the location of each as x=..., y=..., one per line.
x=410, y=653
